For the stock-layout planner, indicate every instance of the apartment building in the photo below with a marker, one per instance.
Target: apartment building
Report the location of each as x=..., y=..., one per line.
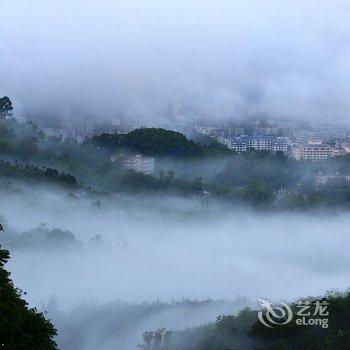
x=325, y=134
x=313, y=150
x=260, y=143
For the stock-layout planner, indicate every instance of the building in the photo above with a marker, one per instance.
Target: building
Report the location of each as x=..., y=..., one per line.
x=345, y=147
x=330, y=133
x=84, y=126
x=104, y=127
x=138, y=163
x=53, y=132
x=225, y=141
x=204, y=130
x=325, y=134
x=63, y=133
x=313, y=150
x=302, y=124
x=239, y=144
x=239, y=131
x=141, y=164
x=321, y=179
x=281, y=145
x=302, y=136
x=265, y=128
x=260, y=143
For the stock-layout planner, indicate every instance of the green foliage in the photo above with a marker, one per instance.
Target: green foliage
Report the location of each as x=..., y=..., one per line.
x=132, y=181
x=294, y=337
x=5, y=147
x=40, y=237
x=5, y=106
x=245, y=332
x=273, y=170
x=21, y=327
x=5, y=132
x=157, y=142
x=257, y=193
x=34, y=173
x=215, y=149
x=156, y=340
x=149, y=141
x=28, y=148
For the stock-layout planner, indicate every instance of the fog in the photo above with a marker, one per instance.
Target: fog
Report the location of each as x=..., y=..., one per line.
x=153, y=59
x=163, y=249
x=106, y=267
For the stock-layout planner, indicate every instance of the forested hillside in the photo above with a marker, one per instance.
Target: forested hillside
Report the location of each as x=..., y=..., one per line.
x=21, y=327
x=182, y=166
x=245, y=332
x=159, y=143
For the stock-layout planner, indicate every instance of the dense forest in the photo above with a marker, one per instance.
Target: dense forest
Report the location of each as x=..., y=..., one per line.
x=159, y=143
x=245, y=332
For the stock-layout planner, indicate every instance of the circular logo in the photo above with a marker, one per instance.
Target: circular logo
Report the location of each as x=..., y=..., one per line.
x=274, y=315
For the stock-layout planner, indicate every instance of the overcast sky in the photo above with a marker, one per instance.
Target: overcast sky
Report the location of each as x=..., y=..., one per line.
x=219, y=59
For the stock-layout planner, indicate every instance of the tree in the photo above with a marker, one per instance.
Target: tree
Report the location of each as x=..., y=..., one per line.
x=156, y=340
x=150, y=141
x=21, y=327
x=257, y=193
x=28, y=147
x=5, y=107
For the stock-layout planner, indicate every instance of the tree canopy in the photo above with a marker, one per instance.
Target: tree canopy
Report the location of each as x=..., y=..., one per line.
x=157, y=142
x=5, y=106
x=21, y=327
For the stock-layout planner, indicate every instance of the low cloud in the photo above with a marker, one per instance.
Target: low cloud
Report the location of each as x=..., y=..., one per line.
x=153, y=60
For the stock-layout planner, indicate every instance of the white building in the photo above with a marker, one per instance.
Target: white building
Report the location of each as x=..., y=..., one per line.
x=204, y=130
x=260, y=143
x=141, y=164
x=313, y=150
x=239, y=144
x=138, y=163
x=225, y=141
x=281, y=144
